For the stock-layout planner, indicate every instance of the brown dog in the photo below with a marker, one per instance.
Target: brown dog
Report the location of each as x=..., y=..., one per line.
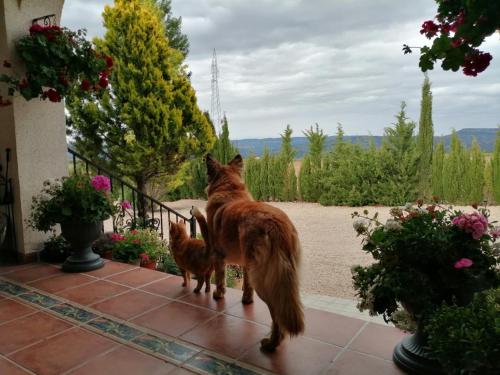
x=191, y=255
x=262, y=239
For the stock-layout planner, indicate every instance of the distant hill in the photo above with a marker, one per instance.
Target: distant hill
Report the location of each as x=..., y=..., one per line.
x=485, y=136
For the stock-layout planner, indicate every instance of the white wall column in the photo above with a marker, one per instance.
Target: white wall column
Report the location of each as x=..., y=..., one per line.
x=35, y=130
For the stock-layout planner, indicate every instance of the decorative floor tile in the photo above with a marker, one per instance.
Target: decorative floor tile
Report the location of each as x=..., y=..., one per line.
x=73, y=312
x=39, y=299
x=12, y=289
x=168, y=348
x=114, y=328
x=217, y=366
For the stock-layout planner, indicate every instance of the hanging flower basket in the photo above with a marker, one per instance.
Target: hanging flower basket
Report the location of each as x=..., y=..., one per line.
x=56, y=61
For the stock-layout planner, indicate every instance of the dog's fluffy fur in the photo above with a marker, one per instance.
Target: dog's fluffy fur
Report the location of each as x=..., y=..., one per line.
x=262, y=239
x=191, y=255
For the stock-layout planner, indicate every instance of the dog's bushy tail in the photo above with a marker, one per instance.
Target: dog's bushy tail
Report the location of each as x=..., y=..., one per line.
x=279, y=280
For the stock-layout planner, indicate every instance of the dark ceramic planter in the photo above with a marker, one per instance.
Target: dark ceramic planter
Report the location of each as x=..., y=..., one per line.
x=411, y=356
x=81, y=236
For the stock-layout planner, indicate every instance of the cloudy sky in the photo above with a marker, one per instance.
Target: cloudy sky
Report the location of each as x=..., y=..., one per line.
x=301, y=62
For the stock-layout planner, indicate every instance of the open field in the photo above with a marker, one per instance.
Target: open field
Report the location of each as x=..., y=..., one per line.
x=329, y=243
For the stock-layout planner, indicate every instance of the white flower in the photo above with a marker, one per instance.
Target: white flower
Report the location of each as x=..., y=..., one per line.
x=360, y=225
x=408, y=206
x=392, y=224
x=421, y=210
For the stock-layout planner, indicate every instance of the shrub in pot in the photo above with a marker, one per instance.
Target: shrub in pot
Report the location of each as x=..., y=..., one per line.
x=129, y=246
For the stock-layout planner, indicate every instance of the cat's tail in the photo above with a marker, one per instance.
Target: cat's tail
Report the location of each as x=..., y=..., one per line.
x=202, y=222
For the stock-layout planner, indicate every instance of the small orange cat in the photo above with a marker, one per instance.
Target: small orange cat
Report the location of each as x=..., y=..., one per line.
x=191, y=255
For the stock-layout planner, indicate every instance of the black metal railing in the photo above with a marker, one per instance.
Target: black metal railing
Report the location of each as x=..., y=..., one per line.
x=152, y=213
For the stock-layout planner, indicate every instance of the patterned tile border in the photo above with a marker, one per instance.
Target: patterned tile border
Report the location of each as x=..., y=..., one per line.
x=167, y=348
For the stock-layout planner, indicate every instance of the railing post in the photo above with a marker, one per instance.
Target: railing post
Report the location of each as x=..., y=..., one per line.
x=192, y=223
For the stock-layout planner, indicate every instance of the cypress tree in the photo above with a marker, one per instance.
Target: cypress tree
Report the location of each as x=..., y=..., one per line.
x=286, y=180
x=223, y=150
x=454, y=176
x=495, y=169
x=475, y=172
x=311, y=187
x=437, y=170
x=425, y=141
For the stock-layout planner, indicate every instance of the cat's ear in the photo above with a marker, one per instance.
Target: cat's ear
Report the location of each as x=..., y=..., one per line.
x=237, y=163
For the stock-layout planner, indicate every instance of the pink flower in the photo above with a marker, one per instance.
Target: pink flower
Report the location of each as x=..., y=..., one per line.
x=101, y=183
x=137, y=241
x=495, y=233
x=133, y=231
x=463, y=263
x=474, y=223
x=125, y=205
x=117, y=237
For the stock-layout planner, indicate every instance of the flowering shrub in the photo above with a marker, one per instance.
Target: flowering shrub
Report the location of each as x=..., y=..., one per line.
x=70, y=198
x=424, y=256
x=56, y=60
x=143, y=244
x=460, y=27
x=466, y=340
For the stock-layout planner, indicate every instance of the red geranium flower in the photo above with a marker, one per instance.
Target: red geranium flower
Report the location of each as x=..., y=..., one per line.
x=103, y=82
x=109, y=61
x=85, y=85
x=36, y=29
x=476, y=63
x=429, y=28
x=53, y=95
x=23, y=84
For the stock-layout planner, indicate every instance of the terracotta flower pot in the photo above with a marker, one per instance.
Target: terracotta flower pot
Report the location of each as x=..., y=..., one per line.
x=150, y=265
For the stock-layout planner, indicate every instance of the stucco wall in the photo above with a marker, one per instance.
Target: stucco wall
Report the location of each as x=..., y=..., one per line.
x=34, y=130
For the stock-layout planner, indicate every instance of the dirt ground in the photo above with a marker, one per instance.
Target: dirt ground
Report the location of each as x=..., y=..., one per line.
x=329, y=243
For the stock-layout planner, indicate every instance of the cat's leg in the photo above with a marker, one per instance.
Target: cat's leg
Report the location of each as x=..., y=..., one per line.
x=185, y=276
x=247, y=288
x=208, y=275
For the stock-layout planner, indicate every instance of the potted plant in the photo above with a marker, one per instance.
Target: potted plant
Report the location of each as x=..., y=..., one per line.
x=424, y=257
x=139, y=246
x=56, y=60
x=55, y=250
x=79, y=204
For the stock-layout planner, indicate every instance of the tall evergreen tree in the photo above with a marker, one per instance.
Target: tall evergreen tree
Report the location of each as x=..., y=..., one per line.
x=310, y=178
x=495, y=169
x=223, y=150
x=475, y=173
x=149, y=122
x=285, y=179
x=400, y=161
x=173, y=26
x=437, y=170
x=454, y=172
x=425, y=141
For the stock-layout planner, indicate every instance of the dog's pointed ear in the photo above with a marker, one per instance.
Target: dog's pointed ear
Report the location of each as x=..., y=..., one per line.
x=237, y=162
x=212, y=166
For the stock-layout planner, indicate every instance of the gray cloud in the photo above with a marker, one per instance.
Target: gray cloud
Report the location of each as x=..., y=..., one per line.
x=301, y=62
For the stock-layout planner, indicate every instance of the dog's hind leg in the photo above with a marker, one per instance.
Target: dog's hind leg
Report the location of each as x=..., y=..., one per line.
x=247, y=288
x=220, y=277
x=200, y=279
x=269, y=344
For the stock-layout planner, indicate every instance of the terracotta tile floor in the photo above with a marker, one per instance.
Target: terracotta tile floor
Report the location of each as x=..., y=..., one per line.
x=126, y=320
